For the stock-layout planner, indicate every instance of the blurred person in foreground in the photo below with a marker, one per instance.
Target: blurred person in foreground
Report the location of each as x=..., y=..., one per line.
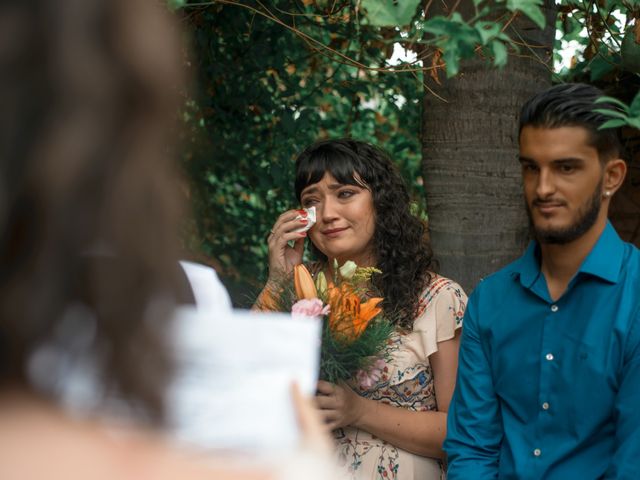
x=88, y=93
x=549, y=376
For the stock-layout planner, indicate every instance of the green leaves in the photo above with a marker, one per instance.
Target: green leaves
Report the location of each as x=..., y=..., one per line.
x=273, y=77
x=627, y=115
x=531, y=8
x=603, y=63
x=390, y=13
x=176, y=4
x=630, y=48
x=455, y=38
x=263, y=94
x=458, y=39
x=487, y=30
x=499, y=53
x=491, y=35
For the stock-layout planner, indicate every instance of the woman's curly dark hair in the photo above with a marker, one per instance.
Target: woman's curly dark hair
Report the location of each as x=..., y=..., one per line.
x=401, y=244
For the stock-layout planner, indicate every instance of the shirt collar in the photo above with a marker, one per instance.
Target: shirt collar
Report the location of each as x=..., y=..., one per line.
x=604, y=260
x=528, y=266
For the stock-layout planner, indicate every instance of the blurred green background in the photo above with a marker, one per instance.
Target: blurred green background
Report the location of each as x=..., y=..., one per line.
x=269, y=78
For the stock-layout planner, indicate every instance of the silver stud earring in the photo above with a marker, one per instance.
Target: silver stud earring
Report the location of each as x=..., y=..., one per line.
x=607, y=193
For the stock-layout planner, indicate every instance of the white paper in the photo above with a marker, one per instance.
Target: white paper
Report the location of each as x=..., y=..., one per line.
x=232, y=389
x=208, y=291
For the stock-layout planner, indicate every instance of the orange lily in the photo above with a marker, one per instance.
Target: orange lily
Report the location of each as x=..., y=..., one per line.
x=349, y=316
x=303, y=283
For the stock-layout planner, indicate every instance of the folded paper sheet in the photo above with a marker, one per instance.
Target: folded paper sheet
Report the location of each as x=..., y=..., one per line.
x=233, y=385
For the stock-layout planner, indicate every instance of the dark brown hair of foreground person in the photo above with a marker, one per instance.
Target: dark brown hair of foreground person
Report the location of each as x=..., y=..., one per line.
x=88, y=92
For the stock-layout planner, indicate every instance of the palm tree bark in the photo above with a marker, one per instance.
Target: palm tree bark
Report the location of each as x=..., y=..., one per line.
x=477, y=219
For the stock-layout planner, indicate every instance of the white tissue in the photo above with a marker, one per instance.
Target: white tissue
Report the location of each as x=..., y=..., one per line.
x=311, y=217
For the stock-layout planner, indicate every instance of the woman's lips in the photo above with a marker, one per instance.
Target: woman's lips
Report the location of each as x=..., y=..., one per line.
x=333, y=232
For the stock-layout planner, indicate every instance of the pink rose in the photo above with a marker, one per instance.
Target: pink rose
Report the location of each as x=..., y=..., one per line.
x=309, y=308
x=367, y=379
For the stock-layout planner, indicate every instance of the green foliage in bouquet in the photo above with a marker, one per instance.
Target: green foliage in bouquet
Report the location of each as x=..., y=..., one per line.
x=340, y=360
x=355, y=331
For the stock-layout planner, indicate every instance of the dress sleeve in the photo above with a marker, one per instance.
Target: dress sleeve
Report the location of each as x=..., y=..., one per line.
x=442, y=308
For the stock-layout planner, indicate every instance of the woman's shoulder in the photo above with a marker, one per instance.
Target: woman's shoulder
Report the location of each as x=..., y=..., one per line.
x=442, y=305
x=441, y=286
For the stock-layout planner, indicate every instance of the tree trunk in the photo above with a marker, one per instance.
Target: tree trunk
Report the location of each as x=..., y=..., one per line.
x=477, y=219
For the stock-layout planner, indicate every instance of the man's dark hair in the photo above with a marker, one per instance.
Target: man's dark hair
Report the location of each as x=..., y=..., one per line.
x=573, y=105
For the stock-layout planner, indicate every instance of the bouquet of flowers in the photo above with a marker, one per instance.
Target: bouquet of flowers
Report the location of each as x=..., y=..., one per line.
x=354, y=331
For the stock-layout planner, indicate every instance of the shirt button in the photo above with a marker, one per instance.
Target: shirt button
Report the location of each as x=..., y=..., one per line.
x=554, y=308
x=545, y=406
x=549, y=356
x=537, y=452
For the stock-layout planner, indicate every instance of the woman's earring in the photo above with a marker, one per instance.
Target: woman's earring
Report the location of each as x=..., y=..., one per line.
x=607, y=193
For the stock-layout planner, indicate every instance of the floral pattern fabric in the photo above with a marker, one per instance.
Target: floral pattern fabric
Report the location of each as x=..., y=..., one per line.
x=405, y=380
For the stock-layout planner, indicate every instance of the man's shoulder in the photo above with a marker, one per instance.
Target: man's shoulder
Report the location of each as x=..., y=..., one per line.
x=502, y=276
x=631, y=253
x=630, y=266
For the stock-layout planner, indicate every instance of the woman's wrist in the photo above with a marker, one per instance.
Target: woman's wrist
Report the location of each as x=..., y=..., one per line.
x=360, y=410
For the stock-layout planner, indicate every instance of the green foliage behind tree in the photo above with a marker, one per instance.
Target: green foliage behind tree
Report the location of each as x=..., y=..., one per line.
x=272, y=77
x=261, y=95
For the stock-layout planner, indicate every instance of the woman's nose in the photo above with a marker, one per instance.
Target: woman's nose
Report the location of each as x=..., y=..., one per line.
x=328, y=210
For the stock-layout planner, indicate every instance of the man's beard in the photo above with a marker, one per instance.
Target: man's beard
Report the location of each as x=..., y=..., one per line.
x=587, y=217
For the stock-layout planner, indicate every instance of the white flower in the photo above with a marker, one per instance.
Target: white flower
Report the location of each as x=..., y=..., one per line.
x=348, y=269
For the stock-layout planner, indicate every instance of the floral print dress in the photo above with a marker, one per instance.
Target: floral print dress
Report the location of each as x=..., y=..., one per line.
x=405, y=381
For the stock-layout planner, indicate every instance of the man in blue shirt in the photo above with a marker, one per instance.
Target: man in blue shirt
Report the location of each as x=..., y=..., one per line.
x=549, y=369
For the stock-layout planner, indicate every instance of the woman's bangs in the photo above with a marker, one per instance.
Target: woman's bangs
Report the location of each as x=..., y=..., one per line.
x=313, y=168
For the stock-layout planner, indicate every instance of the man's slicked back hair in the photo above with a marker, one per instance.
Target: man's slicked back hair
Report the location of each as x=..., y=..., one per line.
x=574, y=105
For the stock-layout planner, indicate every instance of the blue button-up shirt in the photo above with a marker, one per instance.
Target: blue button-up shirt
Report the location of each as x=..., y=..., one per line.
x=551, y=389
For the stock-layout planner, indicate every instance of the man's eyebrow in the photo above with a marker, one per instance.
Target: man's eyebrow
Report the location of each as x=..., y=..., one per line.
x=523, y=159
x=569, y=160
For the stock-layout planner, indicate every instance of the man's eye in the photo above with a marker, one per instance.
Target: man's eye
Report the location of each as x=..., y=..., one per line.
x=566, y=168
x=527, y=167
